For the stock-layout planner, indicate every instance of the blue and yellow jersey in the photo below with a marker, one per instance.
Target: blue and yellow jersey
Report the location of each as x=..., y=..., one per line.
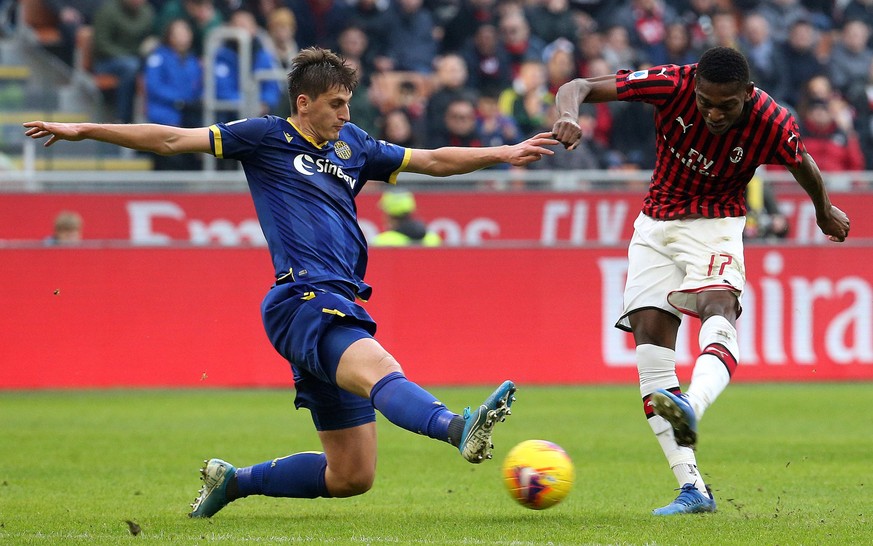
x=304, y=194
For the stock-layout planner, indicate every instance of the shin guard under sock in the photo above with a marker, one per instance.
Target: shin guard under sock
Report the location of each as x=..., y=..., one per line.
x=715, y=365
x=411, y=407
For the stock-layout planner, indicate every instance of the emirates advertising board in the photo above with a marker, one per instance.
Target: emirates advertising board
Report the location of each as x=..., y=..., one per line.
x=165, y=291
x=462, y=219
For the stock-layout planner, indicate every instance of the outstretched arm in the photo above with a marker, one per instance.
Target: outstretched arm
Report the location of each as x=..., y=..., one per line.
x=146, y=137
x=832, y=221
x=570, y=96
x=458, y=160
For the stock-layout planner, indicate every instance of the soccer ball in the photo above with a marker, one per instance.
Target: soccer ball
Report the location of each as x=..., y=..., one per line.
x=538, y=474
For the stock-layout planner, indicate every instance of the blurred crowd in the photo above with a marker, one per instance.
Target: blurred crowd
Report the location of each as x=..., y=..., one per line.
x=484, y=72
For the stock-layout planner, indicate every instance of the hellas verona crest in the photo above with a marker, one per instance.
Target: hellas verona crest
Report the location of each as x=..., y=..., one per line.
x=342, y=150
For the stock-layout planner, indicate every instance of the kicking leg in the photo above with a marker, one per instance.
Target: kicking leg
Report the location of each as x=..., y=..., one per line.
x=367, y=369
x=719, y=349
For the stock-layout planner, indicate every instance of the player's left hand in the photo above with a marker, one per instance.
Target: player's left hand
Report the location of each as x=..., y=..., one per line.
x=834, y=224
x=532, y=149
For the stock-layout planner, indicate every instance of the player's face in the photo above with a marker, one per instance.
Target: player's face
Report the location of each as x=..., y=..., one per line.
x=325, y=115
x=721, y=104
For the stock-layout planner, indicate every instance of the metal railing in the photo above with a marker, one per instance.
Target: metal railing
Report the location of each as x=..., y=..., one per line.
x=248, y=103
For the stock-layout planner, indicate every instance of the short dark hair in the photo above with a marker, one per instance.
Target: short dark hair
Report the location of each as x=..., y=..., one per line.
x=315, y=71
x=723, y=65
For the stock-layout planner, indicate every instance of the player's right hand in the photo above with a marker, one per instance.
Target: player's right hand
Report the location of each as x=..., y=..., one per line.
x=835, y=225
x=567, y=132
x=55, y=131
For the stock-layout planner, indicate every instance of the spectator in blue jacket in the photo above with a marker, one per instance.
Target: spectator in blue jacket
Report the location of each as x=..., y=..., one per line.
x=174, y=79
x=174, y=88
x=227, y=66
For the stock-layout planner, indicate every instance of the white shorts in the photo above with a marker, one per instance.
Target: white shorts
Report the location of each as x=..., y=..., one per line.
x=671, y=261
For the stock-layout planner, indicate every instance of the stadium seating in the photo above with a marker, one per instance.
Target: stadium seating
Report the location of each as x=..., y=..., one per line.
x=43, y=23
x=31, y=88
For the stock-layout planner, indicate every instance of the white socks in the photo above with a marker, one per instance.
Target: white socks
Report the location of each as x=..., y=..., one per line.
x=711, y=375
x=657, y=369
x=713, y=368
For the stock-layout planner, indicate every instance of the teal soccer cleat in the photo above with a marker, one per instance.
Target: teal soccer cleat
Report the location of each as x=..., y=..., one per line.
x=679, y=413
x=689, y=501
x=475, y=443
x=213, y=495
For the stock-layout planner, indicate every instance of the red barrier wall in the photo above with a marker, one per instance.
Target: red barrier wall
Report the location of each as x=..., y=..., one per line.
x=190, y=317
x=469, y=219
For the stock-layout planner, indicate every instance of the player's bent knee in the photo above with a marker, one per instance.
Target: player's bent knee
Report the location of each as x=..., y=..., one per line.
x=389, y=364
x=363, y=364
x=723, y=303
x=350, y=486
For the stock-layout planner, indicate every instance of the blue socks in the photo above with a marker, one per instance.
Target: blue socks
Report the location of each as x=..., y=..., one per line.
x=302, y=475
x=409, y=406
x=297, y=476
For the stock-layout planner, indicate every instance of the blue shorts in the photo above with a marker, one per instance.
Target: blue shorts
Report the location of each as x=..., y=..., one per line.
x=311, y=328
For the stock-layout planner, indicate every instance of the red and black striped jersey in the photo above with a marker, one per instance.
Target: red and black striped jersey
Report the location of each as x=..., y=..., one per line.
x=698, y=173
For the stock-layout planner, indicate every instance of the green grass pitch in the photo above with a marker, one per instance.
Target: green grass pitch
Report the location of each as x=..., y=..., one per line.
x=790, y=464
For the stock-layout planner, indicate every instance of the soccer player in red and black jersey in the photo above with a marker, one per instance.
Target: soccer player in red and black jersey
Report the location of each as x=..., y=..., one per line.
x=713, y=129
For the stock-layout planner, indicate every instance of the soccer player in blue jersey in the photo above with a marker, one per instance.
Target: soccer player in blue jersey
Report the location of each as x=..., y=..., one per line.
x=304, y=173
x=714, y=129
